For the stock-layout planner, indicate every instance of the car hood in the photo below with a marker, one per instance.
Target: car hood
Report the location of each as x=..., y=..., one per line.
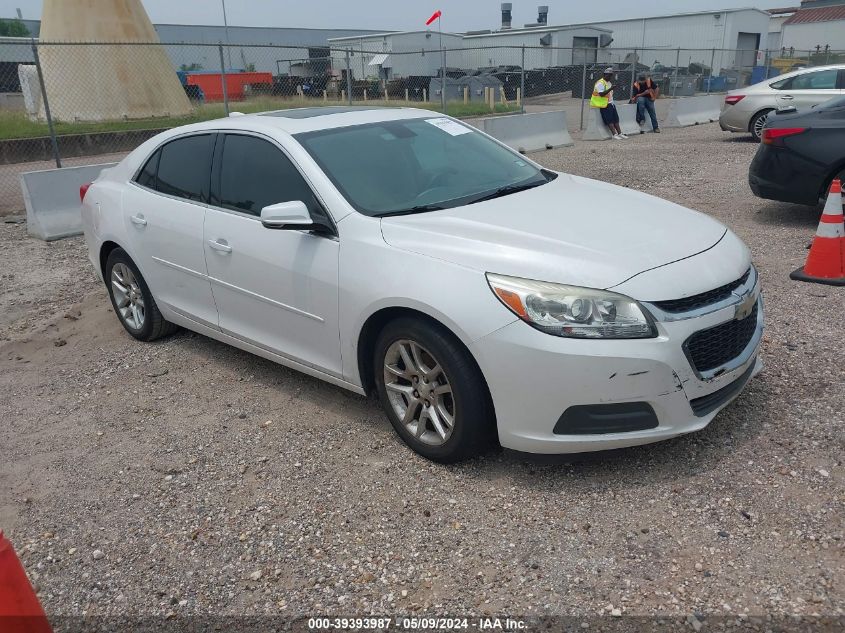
x=572, y=230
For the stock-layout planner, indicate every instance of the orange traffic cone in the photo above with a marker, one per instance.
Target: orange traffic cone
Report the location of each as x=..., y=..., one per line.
x=20, y=611
x=826, y=261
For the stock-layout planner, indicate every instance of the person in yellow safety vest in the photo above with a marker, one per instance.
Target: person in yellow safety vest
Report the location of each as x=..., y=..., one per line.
x=603, y=100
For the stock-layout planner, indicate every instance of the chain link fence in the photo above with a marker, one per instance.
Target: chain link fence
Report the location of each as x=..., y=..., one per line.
x=74, y=104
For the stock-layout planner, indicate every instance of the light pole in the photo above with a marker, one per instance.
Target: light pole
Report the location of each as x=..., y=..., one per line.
x=226, y=27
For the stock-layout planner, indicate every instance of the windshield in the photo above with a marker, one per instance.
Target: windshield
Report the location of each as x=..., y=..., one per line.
x=417, y=165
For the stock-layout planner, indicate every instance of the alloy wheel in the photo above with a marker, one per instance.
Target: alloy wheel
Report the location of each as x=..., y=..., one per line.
x=127, y=296
x=419, y=392
x=759, y=124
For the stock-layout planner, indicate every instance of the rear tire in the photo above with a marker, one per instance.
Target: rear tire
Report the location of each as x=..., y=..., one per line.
x=757, y=123
x=132, y=300
x=432, y=391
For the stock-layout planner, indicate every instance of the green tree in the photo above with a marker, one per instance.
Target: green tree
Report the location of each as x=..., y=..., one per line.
x=13, y=28
x=190, y=67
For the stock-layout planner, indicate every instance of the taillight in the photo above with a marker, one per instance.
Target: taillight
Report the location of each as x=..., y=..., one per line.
x=83, y=190
x=733, y=99
x=774, y=134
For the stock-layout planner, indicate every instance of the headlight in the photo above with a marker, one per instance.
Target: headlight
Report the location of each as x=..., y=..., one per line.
x=572, y=311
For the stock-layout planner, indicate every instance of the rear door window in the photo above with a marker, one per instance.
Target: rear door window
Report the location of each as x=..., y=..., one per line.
x=184, y=167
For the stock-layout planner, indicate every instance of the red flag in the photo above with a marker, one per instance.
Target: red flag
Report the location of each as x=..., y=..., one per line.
x=434, y=16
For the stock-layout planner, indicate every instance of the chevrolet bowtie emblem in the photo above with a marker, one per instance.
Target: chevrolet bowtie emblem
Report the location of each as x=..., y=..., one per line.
x=744, y=307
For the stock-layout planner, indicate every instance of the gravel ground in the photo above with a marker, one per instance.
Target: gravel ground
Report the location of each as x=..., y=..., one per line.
x=187, y=477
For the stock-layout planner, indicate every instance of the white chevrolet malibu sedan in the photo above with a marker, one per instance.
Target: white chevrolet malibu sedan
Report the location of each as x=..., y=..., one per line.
x=482, y=297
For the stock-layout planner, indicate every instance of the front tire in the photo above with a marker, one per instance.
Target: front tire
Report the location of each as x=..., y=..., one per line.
x=826, y=187
x=758, y=121
x=432, y=391
x=132, y=300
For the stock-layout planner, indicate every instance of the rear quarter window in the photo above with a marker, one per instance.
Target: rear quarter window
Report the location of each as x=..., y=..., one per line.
x=147, y=176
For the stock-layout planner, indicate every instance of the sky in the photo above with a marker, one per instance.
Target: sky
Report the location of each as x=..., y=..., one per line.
x=458, y=15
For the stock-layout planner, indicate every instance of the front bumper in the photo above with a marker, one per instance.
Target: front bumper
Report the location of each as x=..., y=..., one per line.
x=534, y=377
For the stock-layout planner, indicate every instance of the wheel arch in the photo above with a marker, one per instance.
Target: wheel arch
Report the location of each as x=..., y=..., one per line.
x=756, y=114
x=106, y=249
x=369, y=332
x=839, y=168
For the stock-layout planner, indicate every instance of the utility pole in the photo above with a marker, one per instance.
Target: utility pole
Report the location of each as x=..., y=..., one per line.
x=226, y=28
x=522, y=83
x=442, y=65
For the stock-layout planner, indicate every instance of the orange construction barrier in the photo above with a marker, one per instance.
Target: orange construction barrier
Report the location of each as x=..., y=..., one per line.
x=20, y=611
x=826, y=261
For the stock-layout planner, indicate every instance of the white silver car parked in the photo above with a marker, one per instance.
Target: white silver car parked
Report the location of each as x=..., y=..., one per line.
x=747, y=109
x=398, y=251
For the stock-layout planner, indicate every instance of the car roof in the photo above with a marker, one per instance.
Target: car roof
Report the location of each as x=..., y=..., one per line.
x=809, y=69
x=765, y=85
x=298, y=120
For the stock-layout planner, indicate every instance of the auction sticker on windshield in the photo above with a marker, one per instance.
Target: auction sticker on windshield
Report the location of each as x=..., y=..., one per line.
x=448, y=125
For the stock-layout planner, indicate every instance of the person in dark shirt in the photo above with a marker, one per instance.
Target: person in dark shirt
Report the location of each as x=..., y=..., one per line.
x=643, y=93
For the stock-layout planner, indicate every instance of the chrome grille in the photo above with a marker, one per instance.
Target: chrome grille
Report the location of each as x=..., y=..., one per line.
x=702, y=299
x=715, y=346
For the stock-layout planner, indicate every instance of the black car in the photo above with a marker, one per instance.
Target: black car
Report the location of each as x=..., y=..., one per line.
x=800, y=154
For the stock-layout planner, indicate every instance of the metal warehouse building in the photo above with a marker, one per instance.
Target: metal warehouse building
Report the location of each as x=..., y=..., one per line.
x=400, y=54
x=546, y=46
x=308, y=53
x=743, y=30
x=815, y=26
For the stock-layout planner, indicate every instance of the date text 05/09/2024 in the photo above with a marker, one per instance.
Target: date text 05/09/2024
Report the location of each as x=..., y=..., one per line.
x=416, y=624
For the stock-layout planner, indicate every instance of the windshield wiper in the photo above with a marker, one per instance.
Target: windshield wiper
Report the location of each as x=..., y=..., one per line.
x=508, y=190
x=418, y=209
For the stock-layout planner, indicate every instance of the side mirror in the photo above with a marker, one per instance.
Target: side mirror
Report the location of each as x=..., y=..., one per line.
x=292, y=215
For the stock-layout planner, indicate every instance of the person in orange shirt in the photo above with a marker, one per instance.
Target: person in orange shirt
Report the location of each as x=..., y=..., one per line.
x=643, y=93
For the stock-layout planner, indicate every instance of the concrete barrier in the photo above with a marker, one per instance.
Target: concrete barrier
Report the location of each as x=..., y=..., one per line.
x=52, y=200
x=628, y=119
x=596, y=129
x=529, y=132
x=694, y=110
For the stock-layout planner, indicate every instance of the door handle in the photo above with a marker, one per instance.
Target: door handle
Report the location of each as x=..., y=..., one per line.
x=138, y=219
x=787, y=97
x=220, y=245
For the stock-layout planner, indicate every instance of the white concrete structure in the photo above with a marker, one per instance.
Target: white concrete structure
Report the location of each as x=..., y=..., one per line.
x=98, y=83
x=402, y=54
